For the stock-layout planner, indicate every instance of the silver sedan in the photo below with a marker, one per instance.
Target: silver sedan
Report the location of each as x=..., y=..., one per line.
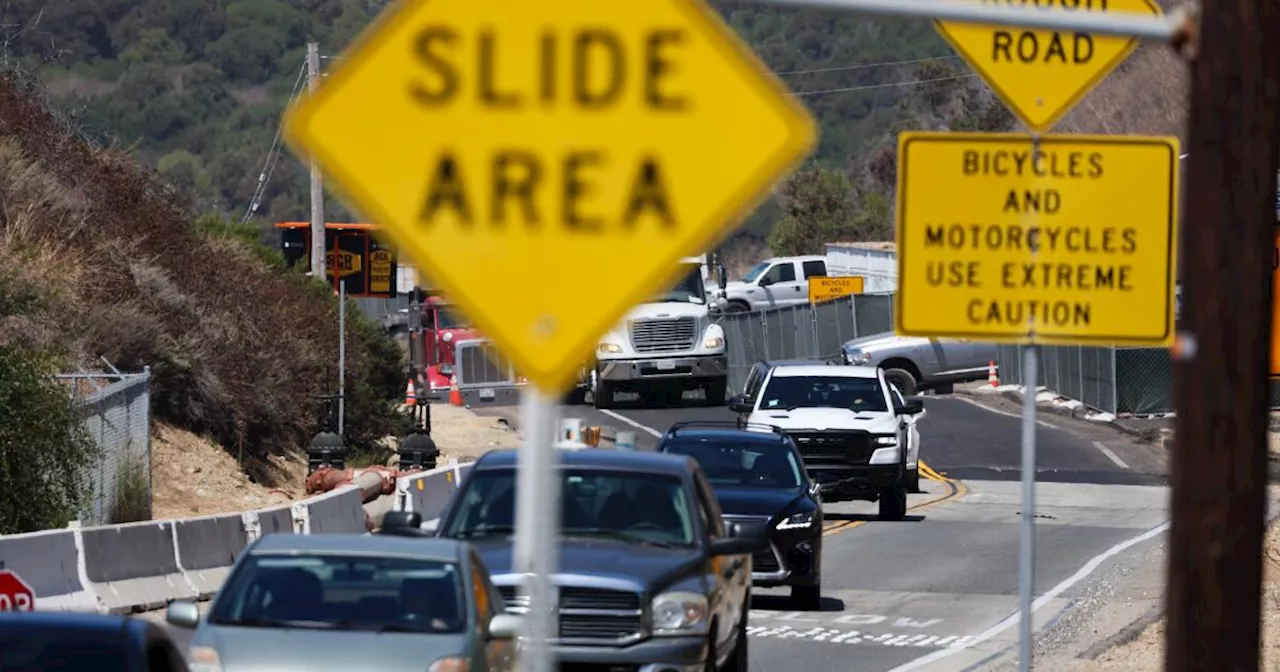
x=344, y=602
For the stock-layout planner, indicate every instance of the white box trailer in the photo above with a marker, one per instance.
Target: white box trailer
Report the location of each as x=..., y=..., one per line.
x=876, y=262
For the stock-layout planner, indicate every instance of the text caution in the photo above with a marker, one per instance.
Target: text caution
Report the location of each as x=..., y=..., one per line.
x=1042, y=74
x=549, y=167
x=1072, y=242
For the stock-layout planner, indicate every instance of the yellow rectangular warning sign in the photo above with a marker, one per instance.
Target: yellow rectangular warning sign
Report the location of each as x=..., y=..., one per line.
x=1071, y=241
x=822, y=288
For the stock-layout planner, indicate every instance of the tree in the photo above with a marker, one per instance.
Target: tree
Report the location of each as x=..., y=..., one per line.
x=817, y=206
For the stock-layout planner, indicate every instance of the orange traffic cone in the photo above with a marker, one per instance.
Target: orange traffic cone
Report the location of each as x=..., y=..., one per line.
x=455, y=395
x=410, y=396
x=992, y=379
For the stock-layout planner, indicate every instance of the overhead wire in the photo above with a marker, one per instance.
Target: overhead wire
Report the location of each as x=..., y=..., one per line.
x=273, y=154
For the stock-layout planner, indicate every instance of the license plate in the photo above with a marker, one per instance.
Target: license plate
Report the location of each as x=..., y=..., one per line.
x=666, y=365
x=486, y=394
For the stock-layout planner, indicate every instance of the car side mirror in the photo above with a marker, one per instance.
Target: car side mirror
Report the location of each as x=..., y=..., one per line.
x=182, y=614
x=911, y=406
x=765, y=282
x=739, y=404
x=430, y=526
x=505, y=626
x=744, y=543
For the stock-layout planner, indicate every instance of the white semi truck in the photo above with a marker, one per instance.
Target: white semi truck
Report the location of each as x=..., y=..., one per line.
x=666, y=346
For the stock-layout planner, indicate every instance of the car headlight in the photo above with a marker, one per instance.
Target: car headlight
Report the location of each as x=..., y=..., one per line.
x=713, y=342
x=203, y=659
x=450, y=664
x=857, y=357
x=798, y=521
x=886, y=440
x=679, y=613
x=610, y=348
x=447, y=336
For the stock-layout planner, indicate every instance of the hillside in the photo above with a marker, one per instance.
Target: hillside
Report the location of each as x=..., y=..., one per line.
x=103, y=262
x=196, y=88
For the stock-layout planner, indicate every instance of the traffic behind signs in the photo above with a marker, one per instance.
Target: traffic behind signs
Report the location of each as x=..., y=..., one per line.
x=15, y=594
x=549, y=169
x=1073, y=243
x=1041, y=74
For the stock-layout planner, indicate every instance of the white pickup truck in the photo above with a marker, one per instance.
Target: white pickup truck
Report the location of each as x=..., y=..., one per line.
x=665, y=346
x=776, y=282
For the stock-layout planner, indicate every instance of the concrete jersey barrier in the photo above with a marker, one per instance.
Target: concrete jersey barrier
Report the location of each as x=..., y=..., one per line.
x=143, y=566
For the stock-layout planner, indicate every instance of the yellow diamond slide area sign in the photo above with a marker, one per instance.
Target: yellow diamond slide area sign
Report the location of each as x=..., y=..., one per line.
x=1042, y=74
x=549, y=165
x=1073, y=243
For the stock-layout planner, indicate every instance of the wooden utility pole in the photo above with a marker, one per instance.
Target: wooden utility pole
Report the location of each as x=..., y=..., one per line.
x=1219, y=470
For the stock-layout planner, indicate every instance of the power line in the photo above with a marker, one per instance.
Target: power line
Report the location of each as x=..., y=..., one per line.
x=865, y=66
x=869, y=87
x=273, y=154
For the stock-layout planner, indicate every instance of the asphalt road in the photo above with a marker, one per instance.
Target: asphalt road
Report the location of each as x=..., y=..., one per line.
x=938, y=591
x=900, y=595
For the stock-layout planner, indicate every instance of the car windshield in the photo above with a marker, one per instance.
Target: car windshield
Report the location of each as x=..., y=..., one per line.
x=343, y=592
x=448, y=318
x=640, y=508
x=690, y=289
x=753, y=464
x=756, y=271
x=792, y=392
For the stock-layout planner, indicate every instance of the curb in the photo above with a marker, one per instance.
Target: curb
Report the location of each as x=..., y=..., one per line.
x=1080, y=412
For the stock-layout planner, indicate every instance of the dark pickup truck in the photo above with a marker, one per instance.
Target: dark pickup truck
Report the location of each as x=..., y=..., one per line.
x=650, y=577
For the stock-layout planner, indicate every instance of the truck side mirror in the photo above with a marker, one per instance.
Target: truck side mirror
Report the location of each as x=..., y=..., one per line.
x=722, y=276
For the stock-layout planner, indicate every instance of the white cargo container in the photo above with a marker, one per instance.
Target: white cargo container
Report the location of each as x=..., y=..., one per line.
x=876, y=262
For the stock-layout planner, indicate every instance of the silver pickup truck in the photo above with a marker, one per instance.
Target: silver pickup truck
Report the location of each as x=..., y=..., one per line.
x=915, y=364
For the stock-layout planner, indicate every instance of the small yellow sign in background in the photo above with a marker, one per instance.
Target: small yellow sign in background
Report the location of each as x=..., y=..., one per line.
x=1041, y=74
x=825, y=288
x=548, y=166
x=1079, y=233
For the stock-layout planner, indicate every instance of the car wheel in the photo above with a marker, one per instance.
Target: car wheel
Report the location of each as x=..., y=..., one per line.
x=716, y=391
x=808, y=598
x=603, y=395
x=710, y=665
x=893, y=504
x=906, y=382
x=737, y=307
x=741, y=654
x=913, y=481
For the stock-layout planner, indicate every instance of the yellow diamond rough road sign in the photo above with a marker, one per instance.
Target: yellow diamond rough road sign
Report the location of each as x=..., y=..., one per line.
x=1071, y=244
x=548, y=164
x=1042, y=74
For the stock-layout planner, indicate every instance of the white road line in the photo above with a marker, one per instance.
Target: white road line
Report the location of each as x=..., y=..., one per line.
x=629, y=421
x=1109, y=453
x=1083, y=573
x=983, y=406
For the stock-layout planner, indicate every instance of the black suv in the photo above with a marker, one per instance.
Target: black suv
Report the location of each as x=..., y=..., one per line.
x=760, y=481
x=650, y=578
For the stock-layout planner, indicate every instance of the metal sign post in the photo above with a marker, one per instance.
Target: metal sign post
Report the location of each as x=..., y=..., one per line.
x=342, y=354
x=1027, y=525
x=537, y=493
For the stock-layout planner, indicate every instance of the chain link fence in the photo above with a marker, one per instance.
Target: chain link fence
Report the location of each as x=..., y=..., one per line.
x=116, y=411
x=806, y=331
x=1118, y=380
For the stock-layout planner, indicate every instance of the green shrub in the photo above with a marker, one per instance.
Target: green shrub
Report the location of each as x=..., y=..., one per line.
x=132, y=501
x=44, y=448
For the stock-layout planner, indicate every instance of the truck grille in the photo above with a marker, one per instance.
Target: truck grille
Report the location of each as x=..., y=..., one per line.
x=834, y=449
x=663, y=334
x=595, y=614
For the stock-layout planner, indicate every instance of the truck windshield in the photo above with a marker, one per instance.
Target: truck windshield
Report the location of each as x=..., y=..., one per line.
x=756, y=271
x=742, y=464
x=690, y=289
x=855, y=394
x=631, y=507
x=448, y=318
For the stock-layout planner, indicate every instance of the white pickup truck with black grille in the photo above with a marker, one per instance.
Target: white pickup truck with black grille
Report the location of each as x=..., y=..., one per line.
x=664, y=347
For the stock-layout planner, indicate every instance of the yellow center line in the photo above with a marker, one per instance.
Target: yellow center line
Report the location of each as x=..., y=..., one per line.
x=957, y=490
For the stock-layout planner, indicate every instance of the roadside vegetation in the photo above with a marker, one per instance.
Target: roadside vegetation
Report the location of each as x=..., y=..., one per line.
x=104, y=261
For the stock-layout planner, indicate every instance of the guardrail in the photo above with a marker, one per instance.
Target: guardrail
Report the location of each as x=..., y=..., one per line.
x=143, y=566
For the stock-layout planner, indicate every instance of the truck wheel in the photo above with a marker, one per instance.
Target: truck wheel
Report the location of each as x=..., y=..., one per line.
x=903, y=379
x=893, y=504
x=913, y=481
x=717, y=390
x=807, y=598
x=737, y=307
x=603, y=396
